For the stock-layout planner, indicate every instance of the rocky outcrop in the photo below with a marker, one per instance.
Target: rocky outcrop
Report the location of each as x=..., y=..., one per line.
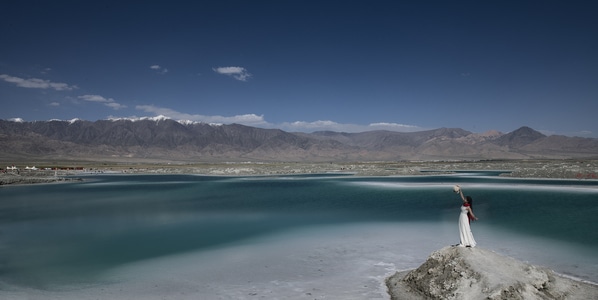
x=476, y=273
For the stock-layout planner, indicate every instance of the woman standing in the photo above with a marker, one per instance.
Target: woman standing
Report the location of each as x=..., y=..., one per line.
x=465, y=217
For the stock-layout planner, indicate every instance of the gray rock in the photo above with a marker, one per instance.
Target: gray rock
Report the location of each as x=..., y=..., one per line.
x=476, y=273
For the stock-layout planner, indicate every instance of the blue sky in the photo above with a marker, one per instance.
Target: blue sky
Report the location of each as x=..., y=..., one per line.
x=346, y=66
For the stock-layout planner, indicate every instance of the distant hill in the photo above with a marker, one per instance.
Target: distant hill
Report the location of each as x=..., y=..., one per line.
x=519, y=138
x=169, y=140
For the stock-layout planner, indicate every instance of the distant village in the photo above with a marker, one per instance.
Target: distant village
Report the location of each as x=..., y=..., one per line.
x=59, y=170
x=37, y=171
x=13, y=174
x=16, y=169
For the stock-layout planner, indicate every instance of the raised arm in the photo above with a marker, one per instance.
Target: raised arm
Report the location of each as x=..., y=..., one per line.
x=462, y=196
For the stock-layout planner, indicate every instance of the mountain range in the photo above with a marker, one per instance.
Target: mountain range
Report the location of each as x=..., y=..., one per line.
x=163, y=139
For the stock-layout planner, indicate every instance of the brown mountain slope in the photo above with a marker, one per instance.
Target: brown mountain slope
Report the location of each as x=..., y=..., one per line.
x=170, y=140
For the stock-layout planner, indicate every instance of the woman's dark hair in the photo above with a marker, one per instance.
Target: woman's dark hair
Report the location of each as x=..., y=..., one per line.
x=470, y=201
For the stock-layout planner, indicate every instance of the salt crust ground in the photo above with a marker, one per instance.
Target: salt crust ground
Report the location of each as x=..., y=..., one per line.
x=476, y=273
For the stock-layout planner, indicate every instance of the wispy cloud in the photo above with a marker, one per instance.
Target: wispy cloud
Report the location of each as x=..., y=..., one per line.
x=328, y=125
x=105, y=101
x=159, y=69
x=247, y=119
x=394, y=126
x=238, y=73
x=36, y=83
x=319, y=125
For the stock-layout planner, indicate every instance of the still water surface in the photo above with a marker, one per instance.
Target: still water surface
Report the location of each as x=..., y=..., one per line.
x=236, y=237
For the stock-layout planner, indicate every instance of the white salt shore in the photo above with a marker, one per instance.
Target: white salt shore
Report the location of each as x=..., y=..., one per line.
x=336, y=262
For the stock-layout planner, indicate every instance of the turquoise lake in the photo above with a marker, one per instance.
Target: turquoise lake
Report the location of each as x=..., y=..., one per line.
x=330, y=235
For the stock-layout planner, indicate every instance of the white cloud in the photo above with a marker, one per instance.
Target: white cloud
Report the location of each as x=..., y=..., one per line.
x=315, y=126
x=115, y=106
x=246, y=119
x=106, y=101
x=36, y=83
x=328, y=125
x=238, y=73
x=95, y=98
x=395, y=126
x=159, y=69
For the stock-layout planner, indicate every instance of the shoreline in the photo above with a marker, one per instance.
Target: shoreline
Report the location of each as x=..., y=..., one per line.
x=16, y=180
x=540, y=169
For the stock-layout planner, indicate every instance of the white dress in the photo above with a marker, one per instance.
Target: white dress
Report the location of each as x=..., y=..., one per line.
x=465, y=233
